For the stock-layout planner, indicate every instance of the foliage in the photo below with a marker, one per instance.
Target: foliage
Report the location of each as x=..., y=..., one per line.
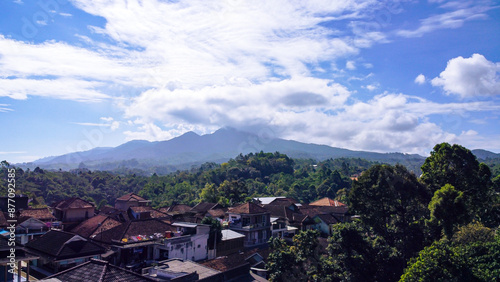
x=473, y=232
x=457, y=166
x=300, y=261
x=448, y=261
x=359, y=255
x=215, y=230
x=392, y=202
x=448, y=208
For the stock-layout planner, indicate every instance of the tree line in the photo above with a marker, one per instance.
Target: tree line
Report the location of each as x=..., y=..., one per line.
x=235, y=181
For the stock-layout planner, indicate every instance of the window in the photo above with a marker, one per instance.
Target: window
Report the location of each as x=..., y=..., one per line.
x=246, y=221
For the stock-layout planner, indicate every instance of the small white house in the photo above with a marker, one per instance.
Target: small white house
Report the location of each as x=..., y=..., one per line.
x=188, y=243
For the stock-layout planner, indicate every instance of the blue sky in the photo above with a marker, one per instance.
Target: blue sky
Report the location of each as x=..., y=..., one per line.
x=382, y=76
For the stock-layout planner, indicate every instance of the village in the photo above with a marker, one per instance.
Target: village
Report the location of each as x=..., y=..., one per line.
x=132, y=241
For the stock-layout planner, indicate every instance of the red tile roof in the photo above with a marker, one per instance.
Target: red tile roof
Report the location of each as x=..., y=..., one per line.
x=73, y=203
x=132, y=197
x=327, y=202
x=231, y=261
x=95, y=225
x=132, y=228
x=43, y=214
x=176, y=208
x=247, y=208
x=152, y=212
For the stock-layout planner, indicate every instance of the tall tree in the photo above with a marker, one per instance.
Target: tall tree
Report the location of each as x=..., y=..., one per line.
x=457, y=166
x=393, y=202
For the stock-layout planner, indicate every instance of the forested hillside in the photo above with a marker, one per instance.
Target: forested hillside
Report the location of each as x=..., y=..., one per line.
x=251, y=175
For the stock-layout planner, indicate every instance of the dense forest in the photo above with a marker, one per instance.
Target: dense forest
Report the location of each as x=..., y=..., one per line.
x=239, y=179
x=438, y=226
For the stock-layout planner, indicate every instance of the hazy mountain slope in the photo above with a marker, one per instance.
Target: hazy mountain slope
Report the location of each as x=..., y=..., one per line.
x=192, y=149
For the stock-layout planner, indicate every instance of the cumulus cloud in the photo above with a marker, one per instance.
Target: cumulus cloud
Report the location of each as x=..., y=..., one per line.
x=468, y=77
x=420, y=79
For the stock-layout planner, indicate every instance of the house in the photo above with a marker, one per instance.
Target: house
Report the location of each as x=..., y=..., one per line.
x=30, y=228
x=119, y=215
x=96, y=270
x=237, y=266
x=251, y=220
x=143, y=212
x=203, y=209
x=73, y=211
x=263, y=201
x=134, y=242
x=287, y=219
x=188, y=242
x=59, y=250
x=182, y=270
x=334, y=207
x=43, y=214
x=232, y=242
x=130, y=200
x=324, y=223
x=180, y=208
x=95, y=225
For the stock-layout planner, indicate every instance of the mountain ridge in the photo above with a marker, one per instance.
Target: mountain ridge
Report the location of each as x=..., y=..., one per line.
x=191, y=149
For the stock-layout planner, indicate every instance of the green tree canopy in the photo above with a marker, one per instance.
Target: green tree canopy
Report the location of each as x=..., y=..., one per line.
x=448, y=208
x=393, y=202
x=457, y=166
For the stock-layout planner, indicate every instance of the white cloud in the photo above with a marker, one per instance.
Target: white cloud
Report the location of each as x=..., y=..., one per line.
x=459, y=14
x=110, y=123
x=467, y=77
x=5, y=108
x=371, y=87
x=67, y=15
x=350, y=65
x=420, y=79
x=67, y=89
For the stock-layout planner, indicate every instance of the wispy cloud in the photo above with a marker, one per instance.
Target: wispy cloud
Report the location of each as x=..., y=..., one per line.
x=5, y=108
x=459, y=14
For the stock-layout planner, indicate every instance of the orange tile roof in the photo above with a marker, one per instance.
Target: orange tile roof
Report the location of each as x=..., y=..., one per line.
x=327, y=202
x=131, y=197
x=73, y=203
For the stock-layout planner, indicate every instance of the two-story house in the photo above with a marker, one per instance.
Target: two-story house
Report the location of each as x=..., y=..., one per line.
x=130, y=200
x=251, y=220
x=188, y=242
x=73, y=211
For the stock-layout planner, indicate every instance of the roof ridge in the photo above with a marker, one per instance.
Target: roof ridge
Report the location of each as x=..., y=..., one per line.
x=103, y=272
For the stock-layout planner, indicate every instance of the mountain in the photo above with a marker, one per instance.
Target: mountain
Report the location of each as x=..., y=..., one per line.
x=485, y=155
x=192, y=149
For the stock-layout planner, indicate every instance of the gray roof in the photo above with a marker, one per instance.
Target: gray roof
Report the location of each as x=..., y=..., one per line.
x=187, y=266
x=97, y=270
x=230, y=235
x=267, y=200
